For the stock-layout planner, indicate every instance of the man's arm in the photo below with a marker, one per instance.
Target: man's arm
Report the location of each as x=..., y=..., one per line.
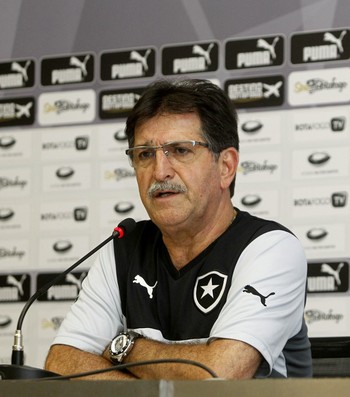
x=229, y=359
x=67, y=360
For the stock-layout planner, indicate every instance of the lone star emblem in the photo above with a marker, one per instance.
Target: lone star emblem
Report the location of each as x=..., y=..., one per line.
x=208, y=290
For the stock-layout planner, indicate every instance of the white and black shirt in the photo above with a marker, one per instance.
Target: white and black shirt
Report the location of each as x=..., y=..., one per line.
x=248, y=285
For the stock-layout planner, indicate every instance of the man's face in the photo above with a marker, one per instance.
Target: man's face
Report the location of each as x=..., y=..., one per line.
x=195, y=186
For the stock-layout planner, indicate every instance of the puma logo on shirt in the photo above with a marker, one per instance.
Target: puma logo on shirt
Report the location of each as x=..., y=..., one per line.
x=251, y=290
x=140, y=280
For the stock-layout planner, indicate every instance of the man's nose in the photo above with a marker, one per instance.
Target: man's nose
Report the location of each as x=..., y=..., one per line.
x=163, y=168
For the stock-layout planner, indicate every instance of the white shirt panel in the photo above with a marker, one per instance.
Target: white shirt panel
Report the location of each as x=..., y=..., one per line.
x=97, y=316
x=272, y=263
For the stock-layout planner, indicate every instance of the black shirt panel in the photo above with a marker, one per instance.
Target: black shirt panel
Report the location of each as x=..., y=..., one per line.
x=169, y=304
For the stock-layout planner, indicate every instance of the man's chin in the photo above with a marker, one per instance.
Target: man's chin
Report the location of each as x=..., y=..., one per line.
x=167, y=219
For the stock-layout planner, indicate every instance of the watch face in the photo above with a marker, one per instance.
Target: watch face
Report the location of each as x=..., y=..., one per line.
x=120, y=343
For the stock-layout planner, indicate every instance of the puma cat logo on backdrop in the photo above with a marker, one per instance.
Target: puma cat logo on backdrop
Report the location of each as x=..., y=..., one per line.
x=251, y=290
x=140, y=280
x=325, y=268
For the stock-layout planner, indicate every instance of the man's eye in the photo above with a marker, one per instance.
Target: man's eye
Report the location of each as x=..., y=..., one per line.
x=146, y=154
x=181, y=150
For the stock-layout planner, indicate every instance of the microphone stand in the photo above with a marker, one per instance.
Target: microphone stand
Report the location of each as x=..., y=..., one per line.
x=19, y=371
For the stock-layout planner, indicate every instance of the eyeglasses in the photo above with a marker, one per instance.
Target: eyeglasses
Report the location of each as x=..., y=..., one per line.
x=177, y=151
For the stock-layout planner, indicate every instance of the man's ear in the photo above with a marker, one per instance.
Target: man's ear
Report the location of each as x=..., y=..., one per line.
x=229, y=159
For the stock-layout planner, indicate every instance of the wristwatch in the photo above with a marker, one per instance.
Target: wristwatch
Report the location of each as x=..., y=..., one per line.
x=121, y=346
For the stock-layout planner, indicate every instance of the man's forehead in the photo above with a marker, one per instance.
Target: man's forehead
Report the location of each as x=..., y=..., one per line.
x=163, y=117
x=169, y=127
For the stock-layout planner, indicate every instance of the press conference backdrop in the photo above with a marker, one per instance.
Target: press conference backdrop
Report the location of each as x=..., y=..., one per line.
x=70, y=71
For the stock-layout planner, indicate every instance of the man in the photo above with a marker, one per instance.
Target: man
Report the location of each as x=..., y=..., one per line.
x=201, y=280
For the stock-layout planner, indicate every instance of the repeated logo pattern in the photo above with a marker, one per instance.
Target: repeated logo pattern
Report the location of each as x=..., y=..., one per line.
x=65, y=181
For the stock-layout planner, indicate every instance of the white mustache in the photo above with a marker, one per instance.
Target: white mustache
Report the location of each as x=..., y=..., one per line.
x=164, y=186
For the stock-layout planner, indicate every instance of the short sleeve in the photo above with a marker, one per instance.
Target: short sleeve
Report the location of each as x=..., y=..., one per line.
x=265, y=304
x=96, y=316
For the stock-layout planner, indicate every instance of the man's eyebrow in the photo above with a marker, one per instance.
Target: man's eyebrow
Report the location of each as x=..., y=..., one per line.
x=146, y=142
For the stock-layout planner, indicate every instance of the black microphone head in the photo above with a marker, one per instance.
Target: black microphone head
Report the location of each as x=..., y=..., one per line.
x=125, y=226
x=128, y=225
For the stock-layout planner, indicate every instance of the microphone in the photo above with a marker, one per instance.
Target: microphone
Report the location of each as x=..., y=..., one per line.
x=17, y=358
